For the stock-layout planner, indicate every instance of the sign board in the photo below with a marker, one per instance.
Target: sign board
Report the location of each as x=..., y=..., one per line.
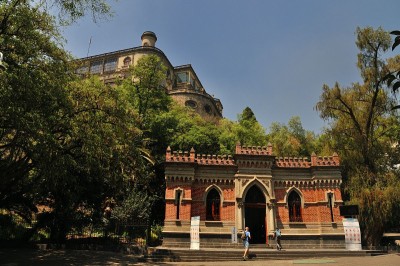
x=234, y=235
x=352, y=234
x=195, y=233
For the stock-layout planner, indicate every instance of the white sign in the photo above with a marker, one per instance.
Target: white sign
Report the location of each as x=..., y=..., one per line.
x=195, y=233
x=352, y=234
x=234, y=235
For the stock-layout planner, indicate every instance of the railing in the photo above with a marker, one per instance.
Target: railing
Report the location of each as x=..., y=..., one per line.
x=14, y=231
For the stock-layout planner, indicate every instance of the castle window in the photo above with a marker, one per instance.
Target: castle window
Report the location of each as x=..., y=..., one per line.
x=96, y=67
x=191, y=103
x=207, y=108
x=294, y=203
x=182, y=77
x=110, y=65
x=213, y=206
x=330, y=204
x=127, y=61
x=82, y=70
x=178, y=195
x=193, y=82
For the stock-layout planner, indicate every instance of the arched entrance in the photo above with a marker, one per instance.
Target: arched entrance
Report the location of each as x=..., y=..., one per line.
x=255, y=214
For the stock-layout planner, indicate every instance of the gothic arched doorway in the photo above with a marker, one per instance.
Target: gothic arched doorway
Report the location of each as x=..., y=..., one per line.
x=255, y=212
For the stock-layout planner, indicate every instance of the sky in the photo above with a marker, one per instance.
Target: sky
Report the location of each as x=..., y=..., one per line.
x=273, y=56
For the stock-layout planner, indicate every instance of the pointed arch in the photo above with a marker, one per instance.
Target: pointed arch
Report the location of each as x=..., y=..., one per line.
x=260, y=185
x=213, y=200
x=295, y=204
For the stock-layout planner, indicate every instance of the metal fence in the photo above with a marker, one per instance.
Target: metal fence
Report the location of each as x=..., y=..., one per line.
x=15, y=231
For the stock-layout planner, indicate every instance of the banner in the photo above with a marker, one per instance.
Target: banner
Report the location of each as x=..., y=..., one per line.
x=195, y=233
x=352, y=234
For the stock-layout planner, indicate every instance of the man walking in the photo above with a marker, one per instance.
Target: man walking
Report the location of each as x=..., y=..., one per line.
x=277, y=236
x=246, y=242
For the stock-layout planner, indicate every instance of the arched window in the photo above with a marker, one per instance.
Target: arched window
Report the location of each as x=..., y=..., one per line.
x=213, y=205
x=294, y=203
x=191, y=104
x=127, y=61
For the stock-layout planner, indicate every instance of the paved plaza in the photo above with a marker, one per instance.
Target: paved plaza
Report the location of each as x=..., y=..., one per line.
x=23, y=257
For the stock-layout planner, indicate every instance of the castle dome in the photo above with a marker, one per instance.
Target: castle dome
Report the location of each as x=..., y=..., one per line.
x=149, y=38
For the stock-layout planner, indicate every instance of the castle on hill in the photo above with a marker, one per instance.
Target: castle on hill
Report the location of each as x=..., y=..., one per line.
x=253, y=188
x=182, y=82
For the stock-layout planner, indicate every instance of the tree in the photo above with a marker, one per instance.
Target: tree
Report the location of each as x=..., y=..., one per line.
x=394, y=72
x=247, y=115
x=71, y=10
x=32, y=99
x=65, y=143
x=363, y=126
x=145, y=88
x=249, y=131
x=291, y=139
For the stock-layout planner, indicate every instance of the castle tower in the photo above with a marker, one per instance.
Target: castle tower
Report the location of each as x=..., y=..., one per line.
x=149, y=38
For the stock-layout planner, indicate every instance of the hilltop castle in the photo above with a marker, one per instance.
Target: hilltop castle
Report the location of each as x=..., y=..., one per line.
x=182, y=83
x=252, y=188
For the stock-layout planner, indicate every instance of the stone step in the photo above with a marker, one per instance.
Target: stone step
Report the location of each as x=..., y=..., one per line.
x=240, y=245
x=162, y=254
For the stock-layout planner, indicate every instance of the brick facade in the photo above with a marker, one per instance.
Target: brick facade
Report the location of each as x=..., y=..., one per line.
x=253, y=188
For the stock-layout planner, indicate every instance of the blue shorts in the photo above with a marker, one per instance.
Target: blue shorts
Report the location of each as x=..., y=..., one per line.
x=246, y=244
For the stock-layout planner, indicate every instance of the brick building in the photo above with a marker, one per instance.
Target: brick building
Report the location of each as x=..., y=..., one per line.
x=253, y=188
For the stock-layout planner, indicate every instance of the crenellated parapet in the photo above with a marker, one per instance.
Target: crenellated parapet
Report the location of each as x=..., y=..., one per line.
x=284, y=162
x=204, y=159
x=294, y=162
x=325, y=160
x=201, y=159
x=254, y=150
x=179, y=156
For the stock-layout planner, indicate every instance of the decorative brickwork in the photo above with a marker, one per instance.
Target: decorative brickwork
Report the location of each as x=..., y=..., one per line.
x=299, y=195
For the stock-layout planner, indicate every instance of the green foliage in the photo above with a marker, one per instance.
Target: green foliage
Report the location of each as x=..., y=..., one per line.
x=155, y=235
x=145, y=88
x=32, y=102
x=72, y=10
x=134, y=209
x=292, y=139
x=247, y=115
x=393, y=77
x=364, y=129
x=183, y=129
x=378, y=205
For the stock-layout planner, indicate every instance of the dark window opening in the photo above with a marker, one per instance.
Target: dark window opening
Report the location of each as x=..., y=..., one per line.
x=178, y=194
x=294, y=203
x=182, y=77
x=213, y=206
x=127, y=61
x=330, y=205
x=191, y=103
x=207, y=108
x=96, y=67
x=110, y=65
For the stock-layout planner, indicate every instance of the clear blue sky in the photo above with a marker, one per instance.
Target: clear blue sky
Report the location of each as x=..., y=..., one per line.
x=270, y=55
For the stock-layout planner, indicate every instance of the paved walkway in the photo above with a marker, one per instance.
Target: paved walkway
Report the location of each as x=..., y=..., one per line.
x=22, y=257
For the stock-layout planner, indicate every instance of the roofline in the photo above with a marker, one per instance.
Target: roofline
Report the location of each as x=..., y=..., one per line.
x=133, y=49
